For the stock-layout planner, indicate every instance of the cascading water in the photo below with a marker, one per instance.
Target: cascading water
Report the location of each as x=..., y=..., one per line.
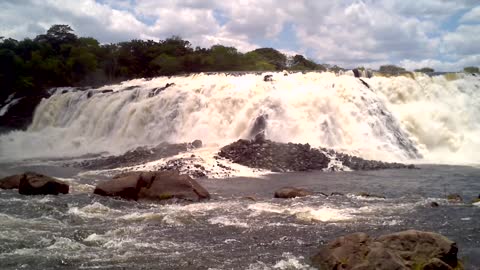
x=394, y=119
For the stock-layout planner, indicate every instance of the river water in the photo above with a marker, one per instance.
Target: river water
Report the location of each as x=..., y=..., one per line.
x=241, y=227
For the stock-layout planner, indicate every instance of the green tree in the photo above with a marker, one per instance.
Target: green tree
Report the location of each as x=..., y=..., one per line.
x=471, y=69
x=425, y=70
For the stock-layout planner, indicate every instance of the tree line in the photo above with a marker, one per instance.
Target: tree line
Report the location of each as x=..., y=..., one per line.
x=61, y=58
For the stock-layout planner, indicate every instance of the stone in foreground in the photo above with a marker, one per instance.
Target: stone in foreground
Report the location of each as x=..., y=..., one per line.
x=31, y=183
x=11, y=182
x=403, y=250
x=291, y=192
x=156, y=186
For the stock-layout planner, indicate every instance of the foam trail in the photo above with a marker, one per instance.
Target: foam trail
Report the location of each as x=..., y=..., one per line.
x=341, y=112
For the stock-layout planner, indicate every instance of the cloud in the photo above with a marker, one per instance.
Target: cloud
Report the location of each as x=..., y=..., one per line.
x=349, y=33
x=473, y=16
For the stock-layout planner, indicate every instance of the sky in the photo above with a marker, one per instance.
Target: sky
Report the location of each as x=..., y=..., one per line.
x=442, y=34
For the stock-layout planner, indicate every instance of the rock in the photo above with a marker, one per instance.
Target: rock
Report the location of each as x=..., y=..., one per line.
x=403, y=250
x=38, y=184
x=197, y=144
x=369, y=195
x=284, y=157
x=365, y=83
x=268, y=78
x=259, y=126
x=11, y=182
x=291, y=192
x=107, y=91
x=156, y=186
x=434, y=204
x=356, y=73
x=337, y=194
x=454, y=198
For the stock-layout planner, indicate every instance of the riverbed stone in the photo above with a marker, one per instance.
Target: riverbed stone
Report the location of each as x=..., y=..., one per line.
x=38, y=184
x=291, y=192
x=154, y=186
x=11, y=182
x=409, y=249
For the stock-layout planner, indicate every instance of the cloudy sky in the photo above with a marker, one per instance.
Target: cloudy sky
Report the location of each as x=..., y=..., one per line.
x=443, y=34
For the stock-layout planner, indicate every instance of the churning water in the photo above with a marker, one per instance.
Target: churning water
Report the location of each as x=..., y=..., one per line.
x=421, y=119
x=395, y=119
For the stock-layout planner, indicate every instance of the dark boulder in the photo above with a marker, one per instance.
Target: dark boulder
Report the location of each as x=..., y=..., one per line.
x=434, y=204
x=291, y=192
x=11, y=182
x=356, y=73
x=38, y=184
x=197, y=144
x=259, y=126
x=20, y=114
x=268, y=78
x=403, y=250
x=160, y=185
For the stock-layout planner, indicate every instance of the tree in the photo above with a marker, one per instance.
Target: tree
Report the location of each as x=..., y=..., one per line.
x=425, y=70
x=274, y=57
x=392, y=69
x=471, y=69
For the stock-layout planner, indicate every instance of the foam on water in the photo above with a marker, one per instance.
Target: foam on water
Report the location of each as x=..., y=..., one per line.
x=388, y=121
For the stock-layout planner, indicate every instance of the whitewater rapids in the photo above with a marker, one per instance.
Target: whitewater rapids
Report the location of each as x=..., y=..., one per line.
x=428, y=119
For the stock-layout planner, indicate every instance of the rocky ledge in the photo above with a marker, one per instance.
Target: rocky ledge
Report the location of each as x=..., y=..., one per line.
x=403, y=250
x=137, y=156
x=284, y=157
x=153, y=186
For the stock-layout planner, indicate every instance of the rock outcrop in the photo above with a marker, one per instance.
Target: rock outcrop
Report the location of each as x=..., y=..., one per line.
x=156, y=186
x=291, y=192
x=403, y=250
x=137, y=156
x=283, y=157
x=31, y=183
x=11, y=182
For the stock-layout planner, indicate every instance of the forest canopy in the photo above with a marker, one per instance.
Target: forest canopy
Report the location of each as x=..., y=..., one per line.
x=61, y=58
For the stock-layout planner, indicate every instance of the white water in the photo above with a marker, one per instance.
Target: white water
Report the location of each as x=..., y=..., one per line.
x=436, y=116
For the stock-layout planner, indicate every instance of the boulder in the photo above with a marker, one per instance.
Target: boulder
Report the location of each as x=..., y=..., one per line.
x=156, y=186
x=11, y=182
x=291, y=192
x=38, y=184
x=403, y=250
x=434, y=204
x=197, y=144
x=454, y=198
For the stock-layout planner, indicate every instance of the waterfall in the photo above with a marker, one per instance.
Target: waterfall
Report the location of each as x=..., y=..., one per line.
x=392, y=119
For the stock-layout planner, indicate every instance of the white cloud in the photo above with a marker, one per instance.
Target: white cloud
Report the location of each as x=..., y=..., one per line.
x=348, y=33
x=473, y=16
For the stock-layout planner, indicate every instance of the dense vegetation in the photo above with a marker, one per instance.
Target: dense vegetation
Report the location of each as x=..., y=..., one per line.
x=60, y=58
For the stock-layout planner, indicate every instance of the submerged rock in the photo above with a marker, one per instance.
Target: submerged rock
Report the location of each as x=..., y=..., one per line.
x=31, y=183
x=156, y=186
x=291, y=192
x=403, y=250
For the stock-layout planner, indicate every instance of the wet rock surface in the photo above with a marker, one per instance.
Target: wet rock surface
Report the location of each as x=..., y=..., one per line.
x=291, y=192
x=31, y=183
x=410, y=249
x=155, y=186
x=137, y=156
x=284, y=157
